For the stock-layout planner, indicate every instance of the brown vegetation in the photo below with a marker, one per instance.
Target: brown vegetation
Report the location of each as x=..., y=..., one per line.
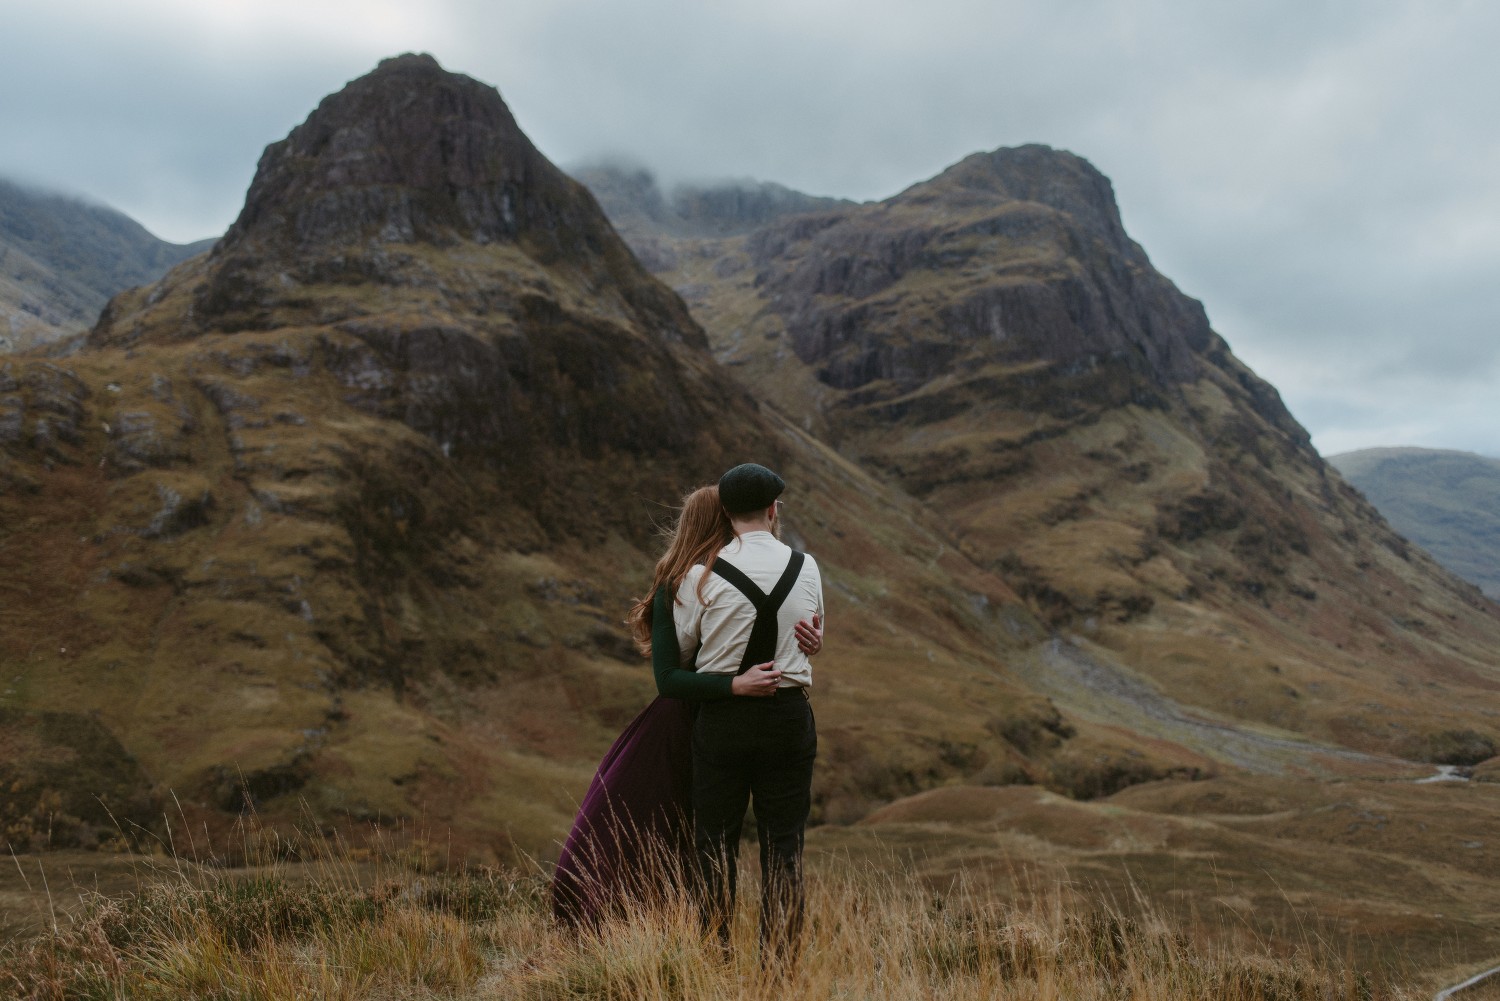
x=346, y=928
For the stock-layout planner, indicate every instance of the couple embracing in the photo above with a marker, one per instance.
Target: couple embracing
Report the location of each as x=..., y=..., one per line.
x=730, y=622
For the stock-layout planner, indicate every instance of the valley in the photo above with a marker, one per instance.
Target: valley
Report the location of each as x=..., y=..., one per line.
x=335, y=525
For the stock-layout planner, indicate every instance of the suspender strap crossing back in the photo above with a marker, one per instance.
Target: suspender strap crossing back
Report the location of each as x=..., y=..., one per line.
x=763, y=635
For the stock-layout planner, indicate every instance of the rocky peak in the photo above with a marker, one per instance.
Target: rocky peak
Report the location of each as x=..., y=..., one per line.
x=404, y=160
x=1012, y=257
x=1055, y=178
x=407, y=153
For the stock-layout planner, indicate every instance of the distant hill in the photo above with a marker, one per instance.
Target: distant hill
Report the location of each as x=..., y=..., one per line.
x=61, y=259
x=722, y=208
x=1446, y=502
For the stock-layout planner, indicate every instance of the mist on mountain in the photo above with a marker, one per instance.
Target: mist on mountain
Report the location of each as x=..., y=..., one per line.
x=62, y=258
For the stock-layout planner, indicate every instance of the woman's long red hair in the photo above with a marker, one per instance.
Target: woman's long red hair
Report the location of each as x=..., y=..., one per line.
x=702, y=529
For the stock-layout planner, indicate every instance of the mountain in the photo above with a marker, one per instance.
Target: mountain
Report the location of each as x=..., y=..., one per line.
x=337, y=523
x=1446, y=502
x=995, y=344
x=341, y=519
x=62, y=258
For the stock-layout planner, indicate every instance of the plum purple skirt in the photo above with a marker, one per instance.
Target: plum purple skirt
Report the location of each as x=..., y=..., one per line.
x=633, y=837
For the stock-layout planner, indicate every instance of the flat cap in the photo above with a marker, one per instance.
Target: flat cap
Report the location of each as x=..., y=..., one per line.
x=749, y=487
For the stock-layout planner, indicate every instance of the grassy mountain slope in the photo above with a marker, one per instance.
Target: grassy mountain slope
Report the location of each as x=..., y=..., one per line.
x=62, y=258
x=1446, y=502
x=993, y=342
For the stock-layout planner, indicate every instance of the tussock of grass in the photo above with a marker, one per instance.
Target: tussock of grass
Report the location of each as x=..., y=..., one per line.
x=277, y=933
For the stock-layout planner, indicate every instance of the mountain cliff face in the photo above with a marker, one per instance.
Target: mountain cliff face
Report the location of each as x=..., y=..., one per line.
x=992, y=341
x=459, y=284
x=61, y=259
x=1446, y=502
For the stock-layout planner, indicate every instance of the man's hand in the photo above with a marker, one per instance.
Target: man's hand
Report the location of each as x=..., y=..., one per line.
x=761, y=679
x=810, y=635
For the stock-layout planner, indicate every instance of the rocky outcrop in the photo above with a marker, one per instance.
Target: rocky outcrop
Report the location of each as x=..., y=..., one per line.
x=457, y=282
x=1015, y=256
x=408, y=154
x=42, y=408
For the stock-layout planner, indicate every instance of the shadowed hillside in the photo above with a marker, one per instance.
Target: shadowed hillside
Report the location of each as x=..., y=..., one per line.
x=1446, y=502
x=62, y=258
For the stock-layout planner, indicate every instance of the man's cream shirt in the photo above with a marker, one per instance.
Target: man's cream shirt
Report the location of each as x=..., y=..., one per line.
x=721, y=623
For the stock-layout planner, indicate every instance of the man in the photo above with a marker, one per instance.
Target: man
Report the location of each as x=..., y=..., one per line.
x=758, y=746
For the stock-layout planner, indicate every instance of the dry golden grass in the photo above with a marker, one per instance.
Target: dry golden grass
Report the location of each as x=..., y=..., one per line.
x=343, y=927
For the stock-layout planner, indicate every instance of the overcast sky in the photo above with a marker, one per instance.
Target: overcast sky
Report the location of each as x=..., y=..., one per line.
x=1324, y=176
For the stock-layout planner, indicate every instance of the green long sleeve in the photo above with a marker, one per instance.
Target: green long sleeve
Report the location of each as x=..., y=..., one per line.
x=672, y=681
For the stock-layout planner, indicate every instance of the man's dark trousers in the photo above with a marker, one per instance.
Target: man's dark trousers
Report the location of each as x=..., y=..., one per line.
x=762, y=749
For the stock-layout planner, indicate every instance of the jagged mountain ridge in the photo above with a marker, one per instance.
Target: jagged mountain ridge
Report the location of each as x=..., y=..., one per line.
x=994, y=342
x=62, y=258
x=1447, y=502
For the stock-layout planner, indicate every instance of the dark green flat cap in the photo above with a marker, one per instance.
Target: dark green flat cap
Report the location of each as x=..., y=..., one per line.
x=749, y=487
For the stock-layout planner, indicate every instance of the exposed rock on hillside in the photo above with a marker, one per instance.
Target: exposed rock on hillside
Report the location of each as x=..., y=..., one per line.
x=1034, y=261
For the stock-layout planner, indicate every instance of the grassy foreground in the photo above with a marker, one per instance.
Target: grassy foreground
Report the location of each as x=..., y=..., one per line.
x=348, y=928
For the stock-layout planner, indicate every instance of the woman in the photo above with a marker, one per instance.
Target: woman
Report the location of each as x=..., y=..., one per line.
x=633, y=836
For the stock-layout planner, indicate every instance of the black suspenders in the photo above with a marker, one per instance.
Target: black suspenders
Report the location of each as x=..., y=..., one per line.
x=763, y=635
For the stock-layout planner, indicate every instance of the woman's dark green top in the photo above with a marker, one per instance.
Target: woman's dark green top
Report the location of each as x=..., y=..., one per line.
x=673, y=681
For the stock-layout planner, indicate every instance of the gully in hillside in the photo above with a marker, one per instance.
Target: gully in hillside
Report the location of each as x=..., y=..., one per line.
x=668, y=801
